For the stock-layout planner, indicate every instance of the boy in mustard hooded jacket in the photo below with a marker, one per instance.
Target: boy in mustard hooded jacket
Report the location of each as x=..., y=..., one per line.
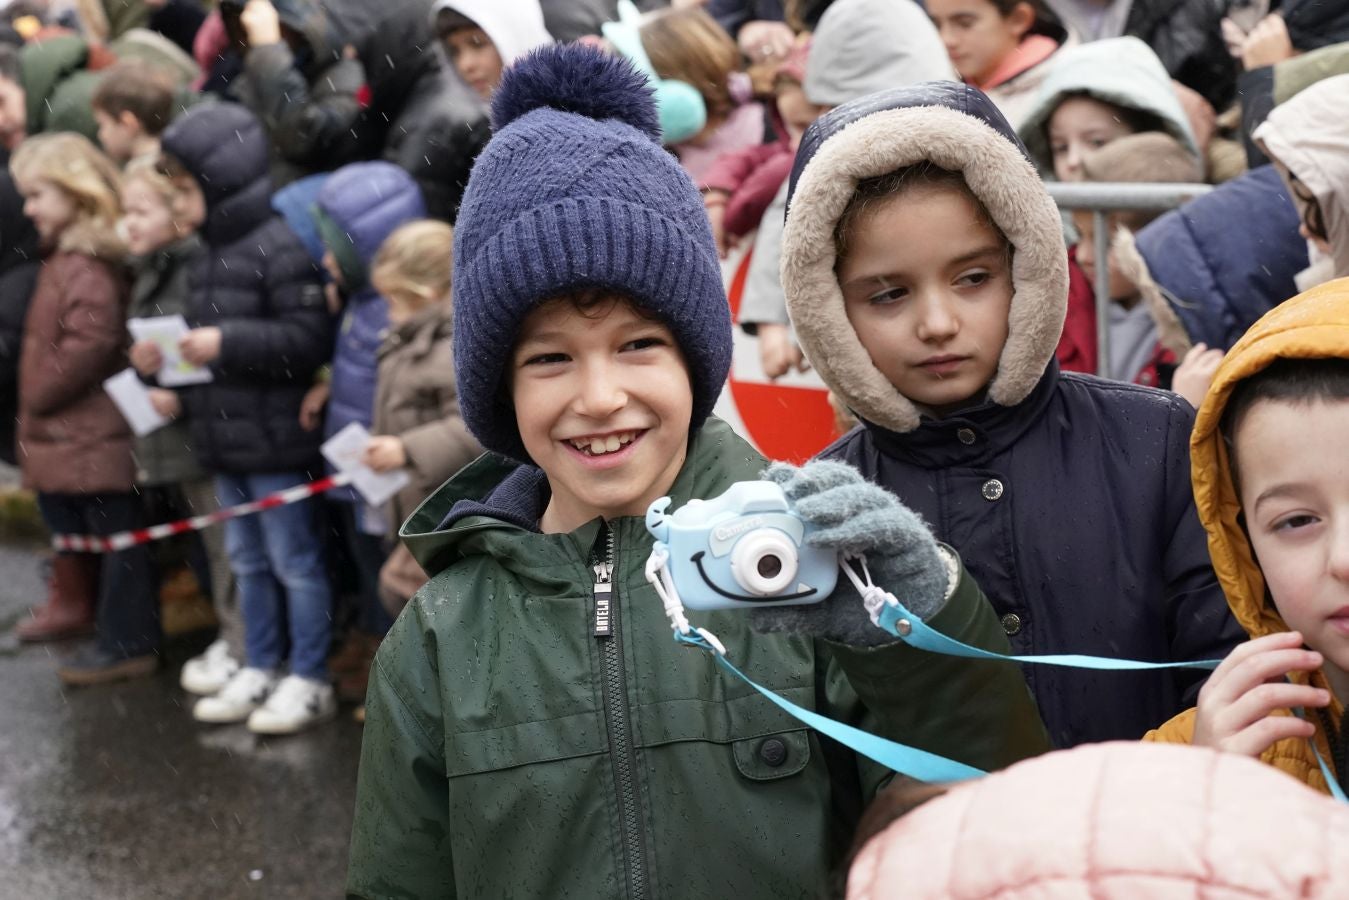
x=1271, y=483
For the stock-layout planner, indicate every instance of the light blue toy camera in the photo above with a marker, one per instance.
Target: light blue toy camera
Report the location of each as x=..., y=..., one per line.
x=742, y=550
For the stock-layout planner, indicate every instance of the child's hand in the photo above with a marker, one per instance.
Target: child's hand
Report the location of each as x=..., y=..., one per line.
x=856, y=517
x=778, y=352
x=146, y=358
x=1237, y=702
x=166, y=403
x=1267, y=44
x=200, y=346
x=311, y=407
x=385, y=453
x=261, y=22
x=762, y=40
x=1195, y=373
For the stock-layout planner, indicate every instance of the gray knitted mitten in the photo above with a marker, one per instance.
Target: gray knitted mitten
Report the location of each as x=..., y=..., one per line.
x=856, y=516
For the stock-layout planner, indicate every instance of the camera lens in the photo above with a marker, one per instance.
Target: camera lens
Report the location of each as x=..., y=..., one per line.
x=769, y=566
x=764, y=562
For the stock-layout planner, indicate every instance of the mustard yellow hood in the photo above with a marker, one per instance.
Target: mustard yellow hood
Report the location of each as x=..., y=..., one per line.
x=1312, y=325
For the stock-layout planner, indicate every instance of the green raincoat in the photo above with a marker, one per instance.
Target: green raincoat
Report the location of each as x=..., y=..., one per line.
x=509, y=752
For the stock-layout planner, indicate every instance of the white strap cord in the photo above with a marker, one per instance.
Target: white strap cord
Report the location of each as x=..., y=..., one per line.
x=658, y=573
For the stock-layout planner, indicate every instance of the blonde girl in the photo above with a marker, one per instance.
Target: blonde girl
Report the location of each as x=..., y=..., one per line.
x=159, y=224
x=74, y=447
x=417, y=423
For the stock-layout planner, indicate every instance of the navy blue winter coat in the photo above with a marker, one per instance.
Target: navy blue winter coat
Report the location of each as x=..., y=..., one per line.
x=1067, y=496
x=366, y=202
x=1228, y=257
x=1062, y=506
x=255, y=282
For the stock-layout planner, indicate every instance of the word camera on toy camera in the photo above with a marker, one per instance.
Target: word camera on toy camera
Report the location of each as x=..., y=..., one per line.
x=743, y=550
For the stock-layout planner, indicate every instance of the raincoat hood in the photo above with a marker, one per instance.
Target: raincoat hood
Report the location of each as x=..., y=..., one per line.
x=1122, y=71
x=1311, y=325
x=1309, y=137
x=515, y=27
x=864, y=46
x=44, y=65
x=958, y=128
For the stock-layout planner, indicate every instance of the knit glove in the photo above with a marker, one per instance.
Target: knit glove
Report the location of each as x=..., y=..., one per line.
x=855, y=516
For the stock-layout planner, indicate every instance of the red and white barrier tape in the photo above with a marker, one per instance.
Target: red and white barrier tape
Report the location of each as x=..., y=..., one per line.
x=93, y=543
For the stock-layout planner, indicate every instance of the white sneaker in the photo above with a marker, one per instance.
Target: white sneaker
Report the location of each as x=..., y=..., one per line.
x=241, y=695
x=208, y=673
x=296, y=704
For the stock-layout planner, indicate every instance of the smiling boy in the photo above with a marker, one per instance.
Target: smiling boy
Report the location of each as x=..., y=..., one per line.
x=532, y=728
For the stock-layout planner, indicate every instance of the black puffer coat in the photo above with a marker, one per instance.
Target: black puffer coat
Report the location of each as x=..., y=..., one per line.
x=1187, y=36
x=306, y=96
x=256, y=283
x=422, y=117
x=19, y=265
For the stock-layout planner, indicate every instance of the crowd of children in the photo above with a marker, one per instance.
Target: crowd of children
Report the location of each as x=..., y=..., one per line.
x=348, y=250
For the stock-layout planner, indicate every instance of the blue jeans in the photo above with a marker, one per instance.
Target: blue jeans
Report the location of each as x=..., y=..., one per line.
x=279, y=550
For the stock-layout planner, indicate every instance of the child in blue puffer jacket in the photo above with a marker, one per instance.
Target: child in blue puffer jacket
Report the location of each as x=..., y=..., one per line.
x=358, y=207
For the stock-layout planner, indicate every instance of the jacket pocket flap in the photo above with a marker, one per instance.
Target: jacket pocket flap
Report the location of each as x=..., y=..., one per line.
x=468, y=753
x=774, y=756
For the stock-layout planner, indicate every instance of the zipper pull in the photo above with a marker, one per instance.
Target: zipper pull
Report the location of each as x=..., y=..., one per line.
x=604, y=589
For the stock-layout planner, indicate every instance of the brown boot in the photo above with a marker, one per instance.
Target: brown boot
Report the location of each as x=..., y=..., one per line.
x=71, y=595
x=351, y=687
x=354, y=654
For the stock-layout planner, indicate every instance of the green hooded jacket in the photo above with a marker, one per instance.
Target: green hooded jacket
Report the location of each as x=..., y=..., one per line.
x=509, y=752
x=58, y=86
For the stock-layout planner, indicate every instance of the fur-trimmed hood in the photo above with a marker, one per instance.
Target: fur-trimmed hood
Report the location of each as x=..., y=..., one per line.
x=94, y=238
x=957, y=127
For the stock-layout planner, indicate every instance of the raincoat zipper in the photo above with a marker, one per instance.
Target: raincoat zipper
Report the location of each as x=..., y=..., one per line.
x=617, y=720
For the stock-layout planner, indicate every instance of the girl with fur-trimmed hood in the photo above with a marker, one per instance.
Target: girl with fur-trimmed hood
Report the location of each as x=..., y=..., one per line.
x=74, y=446
x=924, y=270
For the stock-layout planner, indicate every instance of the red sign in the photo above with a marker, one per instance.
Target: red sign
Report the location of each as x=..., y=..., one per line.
x=786, y=419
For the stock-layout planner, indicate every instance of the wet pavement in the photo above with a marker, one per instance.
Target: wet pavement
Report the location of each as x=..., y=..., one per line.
x=115, y=792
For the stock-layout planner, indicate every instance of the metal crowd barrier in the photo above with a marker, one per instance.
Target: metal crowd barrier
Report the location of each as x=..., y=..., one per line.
x=1103, y=198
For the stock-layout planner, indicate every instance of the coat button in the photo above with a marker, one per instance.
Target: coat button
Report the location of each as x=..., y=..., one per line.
x=773, y=752
x=1011, y=623
x=992, y=490
x=966, y=436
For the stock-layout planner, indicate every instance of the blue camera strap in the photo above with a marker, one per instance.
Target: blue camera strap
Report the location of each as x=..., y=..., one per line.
x=1332, y=782
x=901, y=758
x=888, y=613
x=916, y=633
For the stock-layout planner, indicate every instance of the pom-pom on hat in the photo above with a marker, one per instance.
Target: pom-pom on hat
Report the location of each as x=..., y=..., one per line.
x=573, y=192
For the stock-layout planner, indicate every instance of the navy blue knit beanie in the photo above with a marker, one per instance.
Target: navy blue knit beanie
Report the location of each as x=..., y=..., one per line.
x=574, y=191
